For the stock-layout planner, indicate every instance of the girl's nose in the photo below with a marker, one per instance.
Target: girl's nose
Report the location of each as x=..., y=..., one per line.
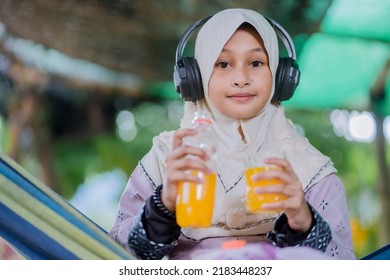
x=241, y=78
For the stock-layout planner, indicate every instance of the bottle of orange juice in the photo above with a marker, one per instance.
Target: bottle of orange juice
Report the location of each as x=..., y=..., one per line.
x=195, y=202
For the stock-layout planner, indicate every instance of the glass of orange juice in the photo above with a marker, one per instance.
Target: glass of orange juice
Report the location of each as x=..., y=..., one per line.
x=195, y=202
x=254, y=201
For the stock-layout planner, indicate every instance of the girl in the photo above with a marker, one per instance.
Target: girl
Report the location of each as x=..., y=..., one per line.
x=237, y=54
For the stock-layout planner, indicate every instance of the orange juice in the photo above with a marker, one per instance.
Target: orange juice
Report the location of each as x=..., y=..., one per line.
x=195, y=202
x=255, y=201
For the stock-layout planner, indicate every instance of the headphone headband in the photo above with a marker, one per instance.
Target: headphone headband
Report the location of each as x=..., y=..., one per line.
x=188, y=80
x=285, y=37
x=279, y=30
x=186, y=35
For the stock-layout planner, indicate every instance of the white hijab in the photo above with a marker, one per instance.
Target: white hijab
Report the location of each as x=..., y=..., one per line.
x=210, y=41
x=267, y=133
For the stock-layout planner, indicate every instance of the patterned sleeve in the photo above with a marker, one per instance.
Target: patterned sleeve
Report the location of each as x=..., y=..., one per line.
x=138, y=190
x=329, y=200
x=330, y=231
x=145, y=248
x=317, y=237
x=141, y=227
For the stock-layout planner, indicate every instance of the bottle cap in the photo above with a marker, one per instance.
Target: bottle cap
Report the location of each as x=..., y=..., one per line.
x=233, y=244
x=203, y=120
x=201, y=117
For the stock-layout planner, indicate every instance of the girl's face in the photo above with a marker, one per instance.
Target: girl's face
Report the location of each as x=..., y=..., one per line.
x=241, y=81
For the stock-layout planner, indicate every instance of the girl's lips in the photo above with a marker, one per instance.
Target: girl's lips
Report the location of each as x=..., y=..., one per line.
x=242, y=97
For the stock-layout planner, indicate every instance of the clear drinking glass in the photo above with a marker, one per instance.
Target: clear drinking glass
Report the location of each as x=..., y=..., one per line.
x=253, y=200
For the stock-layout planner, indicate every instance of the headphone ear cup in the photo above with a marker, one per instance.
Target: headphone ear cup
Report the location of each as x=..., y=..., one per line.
x=287, y=79
x=188, y=80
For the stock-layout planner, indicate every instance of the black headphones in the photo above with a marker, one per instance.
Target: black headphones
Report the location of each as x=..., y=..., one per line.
x=188, y=80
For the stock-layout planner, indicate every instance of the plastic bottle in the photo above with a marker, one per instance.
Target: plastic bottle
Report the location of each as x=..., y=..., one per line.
x=204, y=139
x=195, y=202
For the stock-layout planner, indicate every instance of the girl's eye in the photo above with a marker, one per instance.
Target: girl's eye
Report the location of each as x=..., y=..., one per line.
x=256, y=63
x=223, y=64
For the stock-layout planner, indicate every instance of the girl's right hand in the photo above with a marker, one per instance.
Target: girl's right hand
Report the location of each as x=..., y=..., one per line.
x=182, y=159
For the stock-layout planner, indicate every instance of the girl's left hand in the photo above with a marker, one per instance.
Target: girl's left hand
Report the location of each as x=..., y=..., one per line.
x=295, y=206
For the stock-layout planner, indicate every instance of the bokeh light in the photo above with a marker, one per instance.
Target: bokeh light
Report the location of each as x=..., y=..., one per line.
x=354, y=126
x=386, y=128
x=362, y=126
x=126, y=128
